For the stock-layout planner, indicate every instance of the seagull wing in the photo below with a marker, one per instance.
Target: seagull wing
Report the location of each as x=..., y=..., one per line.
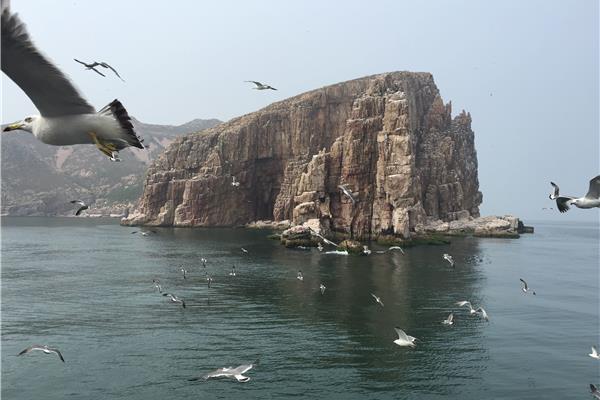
x=556, y=189
x=482, y=312
x=105, y=65
x=450, y=317
x=256, y=83
x=80, y=62
x=594, y=351
x=82, y=208
x=563, y=203
x=401, y=334
x=80, y=202
x=98, y=72
x=31, y=348
x=58, y=353
x=594, y=190
x=47, y=87
x=524, y=283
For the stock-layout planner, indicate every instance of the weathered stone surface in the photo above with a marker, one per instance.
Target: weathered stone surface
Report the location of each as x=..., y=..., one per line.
x=389, y=138
x=504, y=226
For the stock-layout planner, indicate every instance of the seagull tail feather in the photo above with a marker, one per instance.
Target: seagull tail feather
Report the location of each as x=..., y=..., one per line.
x=118, y=112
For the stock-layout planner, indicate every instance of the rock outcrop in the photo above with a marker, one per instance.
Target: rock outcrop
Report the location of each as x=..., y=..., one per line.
x=389, y=138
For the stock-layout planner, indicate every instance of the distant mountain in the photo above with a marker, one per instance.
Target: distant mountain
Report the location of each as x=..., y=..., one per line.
x=38, y=179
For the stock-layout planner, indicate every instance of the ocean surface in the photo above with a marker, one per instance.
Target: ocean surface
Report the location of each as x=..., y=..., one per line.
x=85, y=287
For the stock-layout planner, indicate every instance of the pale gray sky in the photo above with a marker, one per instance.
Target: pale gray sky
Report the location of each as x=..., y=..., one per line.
x=526, y=70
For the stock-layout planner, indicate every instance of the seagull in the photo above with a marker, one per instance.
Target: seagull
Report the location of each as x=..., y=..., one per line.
x=392, y=248
x=184, y=271
x=45, y=349
x=230, y=372
x=347, y=192
x=95, y=64
x=209, y=280
x=244, y=251
x=449, y=320
x=377, y=299
x=466, y=303
x=82, y=205
x=175, y=299
x=449, y=258
x=404, y=339
x=203, y=261
x=481, y=312
x=157, y=285
x=299, y=276
x=366, y=250
x=260, y=86
x=322, y=288
x=590, y=200
x=320, y=246
x=317, y=234
x=595, y=391
x=234, y=182
x=232, y=273
x=66, y=117
x=526, y=288
x=594, y=353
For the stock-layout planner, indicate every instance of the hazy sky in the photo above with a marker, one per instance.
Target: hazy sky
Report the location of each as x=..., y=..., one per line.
x=526, y=70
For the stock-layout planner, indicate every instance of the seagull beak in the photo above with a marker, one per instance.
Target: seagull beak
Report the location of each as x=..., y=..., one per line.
x=13, y=127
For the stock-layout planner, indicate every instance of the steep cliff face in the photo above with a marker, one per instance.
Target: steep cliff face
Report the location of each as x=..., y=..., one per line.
x=389, y=138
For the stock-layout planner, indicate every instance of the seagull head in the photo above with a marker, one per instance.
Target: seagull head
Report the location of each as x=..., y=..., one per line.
x=24, y=125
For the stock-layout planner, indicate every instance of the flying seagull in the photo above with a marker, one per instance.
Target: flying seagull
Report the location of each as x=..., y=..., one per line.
x=594, y=353
x=468, y=304
x=590, y=200
x=234, y=182
x=347, y=192
x=320, y=246
x=481, y=312
x=66, y=117
x=45, y=349
x=595, y=391
x=449, y=258
x=82, y=205
x=95, y=64
x=175, y=299
x=322, y=288
x=157, y=285
x=260, y=86
x=203, y=261
x=404, y=339
x=526, y=288
x=392, y=248
x=244, y=251
x=299, y=276
x=449, y=320
x=209, y=280
x=317, y=234
x=232, y=273
x=230, y=372
x=377, y=299
x=184, y=272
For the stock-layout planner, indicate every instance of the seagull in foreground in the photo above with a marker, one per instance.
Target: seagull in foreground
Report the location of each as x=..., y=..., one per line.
x=66, y=117
x=175, y=299
x=299, y=276
x=404, y=339
x=232, y=273
x=234, y=182
x=594, y=353
x=184, y=271
x=260, y=86
x=45, y=349
x=595, y=391
x=157, y=285
x=230, y=372
x=590, y=200
x=347, y=192
x=449, y=258
x=377, y=299
x=322, y=288
x=526, y=288
x=95, y=64
x=82, y=205
x=449, y=320
x=466, y=303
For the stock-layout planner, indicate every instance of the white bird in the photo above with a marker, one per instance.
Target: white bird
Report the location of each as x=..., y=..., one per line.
x=481, y=312
x=449, y=258
x=320, y=246
x=526, y=288
x=184, y=271
x=366, y=251
x=209, y=280
x=82, y=206
x=157, y=285
x=590, y=200
x=594, y=353
x=203, y=261
x=299, y=276
x=66, y=117
x=230, y=372
x=313, y=232
x=377, y=299
x=232, y=273
x=392, y=248
x=595, y=391
x=466, y=303
x=449, y=320
x=175, y=299
x=234, y=182
x=44, y=348
x=244, y=251
x=260, y=86
x=338, y=252
x=347, y=192
x=322, y=288
x=95, y=64
x=404, y=339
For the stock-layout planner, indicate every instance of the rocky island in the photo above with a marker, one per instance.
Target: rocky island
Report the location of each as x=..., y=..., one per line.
x=390, y=139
